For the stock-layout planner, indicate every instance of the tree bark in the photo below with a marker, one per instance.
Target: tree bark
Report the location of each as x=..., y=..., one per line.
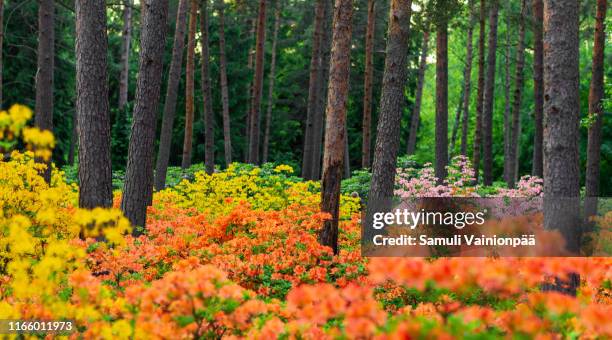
x=174, y=76
x=561, y=120
x=391, y=102
x=138, y=186
x=456, y=121
x=507, y=110
x=480, y=91
x=538, y=88
x=596, y=95
x=44, y=73
x=313, y=90
x=190, y=85
x=416, y=111
x=126, y=36
x=516, y=105
x=441, y=100
x=227, y=137
x=95, y=177
x=1, y=44
x=257, y=85
x=467, y=82
x=487, y=122
x=318, y=124
x=271, y=78
x=209, y=118
x=336, y=120
x=367, y=87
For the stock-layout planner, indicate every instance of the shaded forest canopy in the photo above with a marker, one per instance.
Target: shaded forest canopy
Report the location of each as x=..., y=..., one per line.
x=290, y=95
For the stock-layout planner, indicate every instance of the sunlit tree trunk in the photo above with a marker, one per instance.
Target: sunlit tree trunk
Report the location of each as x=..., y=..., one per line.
x=596, y=95
x=95, y=178
x=367, y=87
x=441, y=99
x=190, y=85
x=138, y=186
x=126, y=40
x=487, y=122
x=337, y=97
x=44, y=72
x=416, y=111
x=257, y=85
x=468, y=82
x=174, y=77
x=209, y=118
x=271, y=78
x=227, y=137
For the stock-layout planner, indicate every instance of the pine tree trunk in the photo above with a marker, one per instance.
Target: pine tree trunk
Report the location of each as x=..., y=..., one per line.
x=313, y=90
x=487, y=122
x=416, y=111
x=596, y=95
x=271, y=78
x=174, y=76
x=468, y=82
x=138, y=185
x=126, y=36
x=458, y=115
x=388, y=132
x=561, y=120
x=516, y=105
x=227, y=137
x=1, y=44
x=367, y=87
x=336, y=120
x=441, y=101
x=190, y=85
x=95, y=178
x=507, y=112
x=44, y=73
x=257, y=85
x=538, y=88
x=209, y=117
x=318, y=124
x=480, y=92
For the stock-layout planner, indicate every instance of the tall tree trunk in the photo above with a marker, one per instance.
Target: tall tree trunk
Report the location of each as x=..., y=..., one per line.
x=257, y=85
x=480, y=91
x=441, y=100
x=507, y=112
x=467, y=82
x=336, y=120
x=561, y=120
x=174, y=76
x=95, y=178
x=367, y=87
x=458, y=115
x=416, y=111
x=44, y=73
x=487, y=122
x=313, y=91
x=189, y=85
x=538, y=87
x=138, y=186
x=596, y=95
x=249, y=113
x=209, y=118
x=1, y=44
x=227, y=137
x=318, y=124
x=516, y=105
x=126, y=36
x=392, y=100
x=271, y=78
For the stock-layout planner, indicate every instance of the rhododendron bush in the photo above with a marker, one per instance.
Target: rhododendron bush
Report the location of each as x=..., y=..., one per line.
x=235, y=254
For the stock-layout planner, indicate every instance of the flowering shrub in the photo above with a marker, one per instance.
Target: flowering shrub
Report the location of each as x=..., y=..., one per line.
x=235, y=254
